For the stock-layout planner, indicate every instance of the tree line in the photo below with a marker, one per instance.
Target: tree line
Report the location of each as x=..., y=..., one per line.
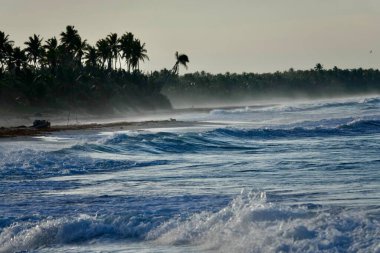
x=71, y=50
x=69, y=72
x=204, y=88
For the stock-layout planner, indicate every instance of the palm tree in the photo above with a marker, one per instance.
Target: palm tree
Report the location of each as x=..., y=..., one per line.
x=113, y=43
x=80, y=48
x=318, y=67
x=9, y=56
x=5, y=44
x=126, y=44
x=19, y=58
x=70, y=39
x=34, y=50
x=104, y=52
x=51, y=53
x=182, y=59
x=138, y=54
x=91, y=57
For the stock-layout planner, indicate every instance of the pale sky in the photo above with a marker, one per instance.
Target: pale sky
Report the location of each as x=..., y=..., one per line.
x=218, y=35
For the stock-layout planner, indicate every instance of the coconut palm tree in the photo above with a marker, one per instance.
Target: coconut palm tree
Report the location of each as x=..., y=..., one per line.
x=113, y=43
x=9, y=56
x=318, y=67
x=80, y=48
x=104, y=52
x=5, y=44
x=138, y=54
x=34, y=50
x=70, y=39
x=19, y=58
x=182, y=59
x=51, y=53
x=91, y=57
x=126, y=44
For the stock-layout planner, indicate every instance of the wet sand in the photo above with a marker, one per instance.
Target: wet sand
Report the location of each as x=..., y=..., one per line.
x=6, y=132
x=14, y=125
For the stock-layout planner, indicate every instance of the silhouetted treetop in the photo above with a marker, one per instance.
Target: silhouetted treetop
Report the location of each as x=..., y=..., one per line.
x=181, y=59
x=60, y=71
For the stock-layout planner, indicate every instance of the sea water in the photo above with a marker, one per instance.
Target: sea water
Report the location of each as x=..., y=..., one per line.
x=301, y=177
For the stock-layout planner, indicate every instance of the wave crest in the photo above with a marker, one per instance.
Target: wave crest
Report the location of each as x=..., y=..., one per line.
x=251, y=224
x=68, y=230
x=371, y=102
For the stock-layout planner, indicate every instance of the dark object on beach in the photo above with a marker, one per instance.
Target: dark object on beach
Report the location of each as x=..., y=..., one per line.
x=41, y=124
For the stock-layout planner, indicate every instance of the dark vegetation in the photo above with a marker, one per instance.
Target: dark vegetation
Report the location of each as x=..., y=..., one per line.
x=201, y=87
x=66, y=72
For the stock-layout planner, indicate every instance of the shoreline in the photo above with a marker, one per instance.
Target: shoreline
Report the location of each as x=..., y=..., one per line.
x=19, y=126
x=12, y=132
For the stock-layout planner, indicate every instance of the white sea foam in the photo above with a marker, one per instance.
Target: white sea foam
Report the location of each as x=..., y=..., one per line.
x=68, y=230
x=250, y=224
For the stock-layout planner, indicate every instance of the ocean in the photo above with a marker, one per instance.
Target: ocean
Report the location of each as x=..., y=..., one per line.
x=286, y=177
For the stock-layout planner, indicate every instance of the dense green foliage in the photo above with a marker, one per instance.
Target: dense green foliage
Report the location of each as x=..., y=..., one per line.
x=206, y=88
x=64, y=73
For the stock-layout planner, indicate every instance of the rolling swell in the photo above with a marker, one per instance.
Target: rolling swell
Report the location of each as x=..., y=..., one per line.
x=75, y=160
x=351, y=128
x=32, y=164
x=367, y=103
x=218, y=138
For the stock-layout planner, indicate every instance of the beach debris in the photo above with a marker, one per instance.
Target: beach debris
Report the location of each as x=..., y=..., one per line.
x=41, y=124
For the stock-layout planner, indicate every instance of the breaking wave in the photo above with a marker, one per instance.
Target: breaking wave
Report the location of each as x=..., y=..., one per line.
x=366, y=103
x=249, y=223
x=318, y=170
x=68, y=161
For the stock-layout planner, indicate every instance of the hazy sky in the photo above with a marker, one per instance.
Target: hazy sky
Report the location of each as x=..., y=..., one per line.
x=218, y=35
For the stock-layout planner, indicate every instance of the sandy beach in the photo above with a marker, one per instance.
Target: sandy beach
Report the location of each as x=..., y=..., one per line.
x=13, y=125
x=6, y=132
x=18, y=124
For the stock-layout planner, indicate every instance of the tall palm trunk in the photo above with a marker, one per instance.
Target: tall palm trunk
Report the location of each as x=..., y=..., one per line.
x=110, y=63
